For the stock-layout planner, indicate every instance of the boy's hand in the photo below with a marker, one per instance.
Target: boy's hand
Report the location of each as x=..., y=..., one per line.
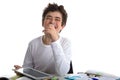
x=17, y=67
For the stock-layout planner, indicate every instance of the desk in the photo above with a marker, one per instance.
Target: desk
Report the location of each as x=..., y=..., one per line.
x=80, y=76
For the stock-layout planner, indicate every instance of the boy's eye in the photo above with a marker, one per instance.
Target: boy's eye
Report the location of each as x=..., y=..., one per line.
x=48, y=18
x=57, y=19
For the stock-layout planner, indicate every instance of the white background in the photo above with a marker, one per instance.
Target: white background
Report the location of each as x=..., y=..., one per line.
x=93, y=27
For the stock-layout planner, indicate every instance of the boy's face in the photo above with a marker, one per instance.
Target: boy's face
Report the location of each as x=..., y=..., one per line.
x=53, y=19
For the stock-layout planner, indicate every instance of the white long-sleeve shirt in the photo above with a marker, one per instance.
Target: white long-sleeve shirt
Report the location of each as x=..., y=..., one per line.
x=53, y=59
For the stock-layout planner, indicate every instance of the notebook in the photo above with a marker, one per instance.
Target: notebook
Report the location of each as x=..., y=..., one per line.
x=32, y=73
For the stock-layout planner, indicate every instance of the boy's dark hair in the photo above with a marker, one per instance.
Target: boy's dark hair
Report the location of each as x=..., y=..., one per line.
x=54, y=7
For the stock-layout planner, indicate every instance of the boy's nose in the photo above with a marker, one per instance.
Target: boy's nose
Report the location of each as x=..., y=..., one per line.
x=52, y=21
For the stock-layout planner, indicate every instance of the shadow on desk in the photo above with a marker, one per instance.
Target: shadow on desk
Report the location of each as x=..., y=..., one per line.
x=4, y=78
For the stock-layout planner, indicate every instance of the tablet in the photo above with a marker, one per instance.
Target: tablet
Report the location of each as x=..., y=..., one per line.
x=32, y=73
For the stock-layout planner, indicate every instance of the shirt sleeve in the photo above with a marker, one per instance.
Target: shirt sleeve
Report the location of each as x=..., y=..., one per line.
x=28, y=62
x=62, y=55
